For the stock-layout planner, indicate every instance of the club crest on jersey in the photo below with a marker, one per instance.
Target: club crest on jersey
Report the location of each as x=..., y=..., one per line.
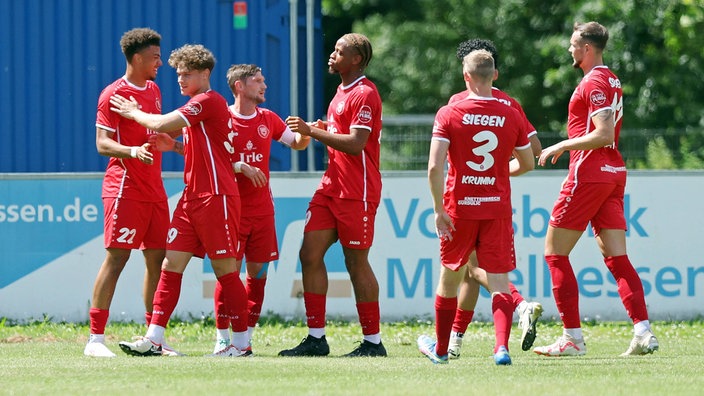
x=263, y=131
x=157, y=103
x=365, y=114
x=340, y=107
x=597, y=97
x=193, y=108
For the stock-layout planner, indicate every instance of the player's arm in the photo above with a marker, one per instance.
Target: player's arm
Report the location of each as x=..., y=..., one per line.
x=535, y=146
x=253, y=173
x=523, y=161
x=602, y=136
x=294, y=140
x=171, y=123
x=108, y=147
x=436, y=180
x=164, y=142
x=352, y=144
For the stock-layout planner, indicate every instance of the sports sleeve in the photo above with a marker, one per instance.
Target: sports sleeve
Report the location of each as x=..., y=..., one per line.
x=106, y=118
x=363, y=108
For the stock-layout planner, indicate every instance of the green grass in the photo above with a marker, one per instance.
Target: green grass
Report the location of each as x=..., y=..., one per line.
x=47, y=358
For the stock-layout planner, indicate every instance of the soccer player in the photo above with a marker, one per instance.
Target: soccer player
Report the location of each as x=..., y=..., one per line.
x=345, y=204
x=593, y=193
x=136, y=212
x=256, y=128
x=528, y=312
x=206, y=218
x=477, y=135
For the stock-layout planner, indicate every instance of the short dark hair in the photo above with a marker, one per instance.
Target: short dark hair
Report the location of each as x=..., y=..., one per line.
x=465, y=47
x=240, y=73
x=593, y=32
x=362, y=45
x=138, y=39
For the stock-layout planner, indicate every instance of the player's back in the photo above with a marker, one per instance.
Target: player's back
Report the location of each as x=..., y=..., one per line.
x=482, y=133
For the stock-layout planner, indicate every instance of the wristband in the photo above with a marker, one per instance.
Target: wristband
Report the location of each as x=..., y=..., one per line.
x=238, y=167
x=133, y=151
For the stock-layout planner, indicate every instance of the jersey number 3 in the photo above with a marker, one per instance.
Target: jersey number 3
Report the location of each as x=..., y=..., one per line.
x=490, y=142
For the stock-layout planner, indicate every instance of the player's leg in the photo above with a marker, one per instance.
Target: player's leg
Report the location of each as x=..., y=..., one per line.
x=612, y=243
x=366, y=292
x=466, y=302
x=255, y=287
x=315, y=288
x=234, y=305
x=223, y=337
x=559, y=242
x=437, y=350
x=154, y=251
x=502, y=312
x=103, y=292
x=153, y=259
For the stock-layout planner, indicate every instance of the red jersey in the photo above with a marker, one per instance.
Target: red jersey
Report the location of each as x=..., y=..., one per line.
x=482, y=134
x=600, y=90
x=252, y=143
x=504, y=98
x=357, y=105
x=207, y=147
x=129, y=177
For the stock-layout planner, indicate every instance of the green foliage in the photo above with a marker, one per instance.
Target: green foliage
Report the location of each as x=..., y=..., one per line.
x=654, y=47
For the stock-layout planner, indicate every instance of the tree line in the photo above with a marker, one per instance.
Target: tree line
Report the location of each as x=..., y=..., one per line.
x=654, y=47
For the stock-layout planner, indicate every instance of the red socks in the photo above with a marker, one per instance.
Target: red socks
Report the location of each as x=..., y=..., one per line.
x=630, y=287
x=445, y=309
x=369, y=317
x=502, y=309
x=166, y=297
x=315, y=309
x=565, y=290
x=462, y=320
x=98, y=320
x=255, y=295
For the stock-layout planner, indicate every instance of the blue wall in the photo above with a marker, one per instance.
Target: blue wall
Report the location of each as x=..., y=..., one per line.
x=57, y=55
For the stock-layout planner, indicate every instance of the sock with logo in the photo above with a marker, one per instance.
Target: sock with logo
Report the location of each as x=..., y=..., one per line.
x=445, y=308
x=502, y=310
x=630, y=287
x=255, y=295
x=98, y=320
x=462, y=320
x=565, y=290
x=315, y=310
x=166, y=297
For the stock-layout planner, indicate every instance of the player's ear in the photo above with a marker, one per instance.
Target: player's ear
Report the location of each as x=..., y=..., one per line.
x=496, y=75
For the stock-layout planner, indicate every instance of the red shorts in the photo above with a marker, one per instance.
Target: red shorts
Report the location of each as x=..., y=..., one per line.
x=492, y=239
x=130, y=224
x=258, y=239
x=353, y=220
x=206, y=226
x=598, y=203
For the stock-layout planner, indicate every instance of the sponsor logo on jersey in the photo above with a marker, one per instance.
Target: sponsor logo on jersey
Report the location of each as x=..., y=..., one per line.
x=476, y=201
x=193, y=108
x=597, y=97
x=365, y=114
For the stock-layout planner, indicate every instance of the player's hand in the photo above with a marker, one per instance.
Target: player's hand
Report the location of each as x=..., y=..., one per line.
x=553, y=152
x=124, y=106
x=144, y=154
x=297, y=124
x=254, y=174
x=162, y=141
x=443, y=226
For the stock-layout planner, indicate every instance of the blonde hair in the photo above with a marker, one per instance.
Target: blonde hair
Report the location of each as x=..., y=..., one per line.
x=480, y=65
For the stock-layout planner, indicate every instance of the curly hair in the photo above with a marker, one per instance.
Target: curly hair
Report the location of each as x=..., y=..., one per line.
x=192, y=57
x=465, y=47
x=138, y=39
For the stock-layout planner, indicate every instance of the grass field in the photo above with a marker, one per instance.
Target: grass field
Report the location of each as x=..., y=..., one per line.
x=47, y=358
